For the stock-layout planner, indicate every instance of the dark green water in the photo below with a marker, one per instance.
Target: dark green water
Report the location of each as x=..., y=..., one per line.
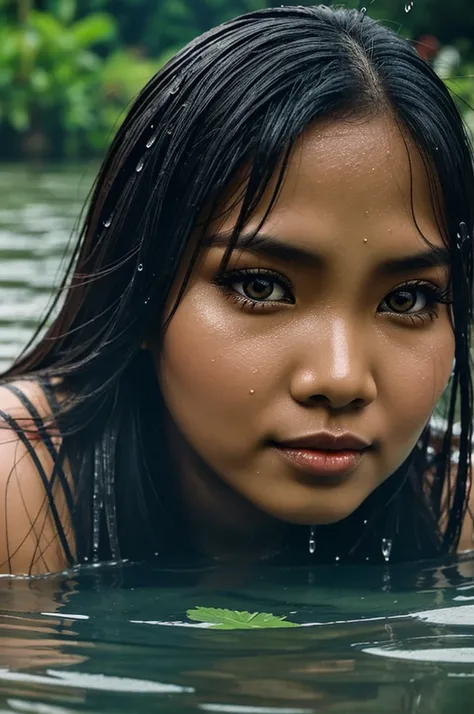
x=117, y=639
x=109, y=639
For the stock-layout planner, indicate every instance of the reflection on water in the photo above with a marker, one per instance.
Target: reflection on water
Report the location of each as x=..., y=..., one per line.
x=118, y=639
x=38, y=210
x=98, y=639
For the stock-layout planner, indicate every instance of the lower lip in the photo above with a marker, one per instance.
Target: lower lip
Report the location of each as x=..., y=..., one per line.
x=323, y=463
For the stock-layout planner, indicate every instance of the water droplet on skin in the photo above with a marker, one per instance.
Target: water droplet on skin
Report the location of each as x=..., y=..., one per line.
x=255, y=371
x=387, y=548
x=140, y=268
x=366, y=240
x=140, y=165
x=151, y=140
x=252, y=391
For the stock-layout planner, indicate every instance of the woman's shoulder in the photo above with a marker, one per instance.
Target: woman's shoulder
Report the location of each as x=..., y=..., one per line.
x=32, y=496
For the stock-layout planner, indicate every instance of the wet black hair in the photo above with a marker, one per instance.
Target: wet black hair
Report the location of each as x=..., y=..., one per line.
x=236, y=99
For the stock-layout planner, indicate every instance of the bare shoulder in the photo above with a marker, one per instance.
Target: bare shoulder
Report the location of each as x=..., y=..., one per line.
x=29, y=538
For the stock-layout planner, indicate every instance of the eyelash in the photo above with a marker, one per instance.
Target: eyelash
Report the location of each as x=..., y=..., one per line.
x=434, y=297
x=227, y=280
x=433, y=294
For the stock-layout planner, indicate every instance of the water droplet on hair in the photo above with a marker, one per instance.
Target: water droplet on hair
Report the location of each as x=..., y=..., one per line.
x=146, y=301
x=365, y=522
x=151, y=140
x=337, y=559
x=108, y=222
x=312, y=541
x=170, y=130
x=387, y=548
x=409, y=5
x=140, y=267
x=176, y=86
x=140, y=165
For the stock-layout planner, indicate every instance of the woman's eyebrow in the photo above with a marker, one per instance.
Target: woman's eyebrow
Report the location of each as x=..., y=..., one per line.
x=268, y=246
x=433, y=257
x=272, y=247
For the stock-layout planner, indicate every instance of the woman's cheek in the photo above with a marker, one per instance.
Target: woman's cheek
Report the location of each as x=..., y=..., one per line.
x=214, y=364
x=415, y=379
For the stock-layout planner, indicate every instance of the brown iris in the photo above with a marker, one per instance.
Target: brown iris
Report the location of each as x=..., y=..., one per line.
x=401, y=301
x=258, y=288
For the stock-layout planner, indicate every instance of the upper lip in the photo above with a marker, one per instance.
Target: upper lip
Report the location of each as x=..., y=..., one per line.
x=326, y=441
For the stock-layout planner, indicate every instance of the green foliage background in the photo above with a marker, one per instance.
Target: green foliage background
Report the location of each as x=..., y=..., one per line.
x=70, y=68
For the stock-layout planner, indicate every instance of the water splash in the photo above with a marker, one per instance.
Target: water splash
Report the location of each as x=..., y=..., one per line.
x=387, y=544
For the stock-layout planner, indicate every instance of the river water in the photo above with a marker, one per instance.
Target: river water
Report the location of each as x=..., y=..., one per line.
x=129, y=638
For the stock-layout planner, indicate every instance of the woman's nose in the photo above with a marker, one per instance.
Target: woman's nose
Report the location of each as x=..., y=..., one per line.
x=336, y=368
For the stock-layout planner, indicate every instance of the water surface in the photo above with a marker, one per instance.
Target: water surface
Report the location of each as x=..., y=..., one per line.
x=118, y=639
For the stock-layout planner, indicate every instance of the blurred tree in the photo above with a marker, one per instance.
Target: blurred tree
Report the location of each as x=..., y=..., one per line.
x=68, y=68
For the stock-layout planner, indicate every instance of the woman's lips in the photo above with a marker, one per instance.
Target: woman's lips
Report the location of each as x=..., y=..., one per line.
x=323, y=463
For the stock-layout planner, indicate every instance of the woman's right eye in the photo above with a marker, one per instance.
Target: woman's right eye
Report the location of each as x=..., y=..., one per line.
x=258, y=287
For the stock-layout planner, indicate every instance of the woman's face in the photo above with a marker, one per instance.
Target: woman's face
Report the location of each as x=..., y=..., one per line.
x=305, y=377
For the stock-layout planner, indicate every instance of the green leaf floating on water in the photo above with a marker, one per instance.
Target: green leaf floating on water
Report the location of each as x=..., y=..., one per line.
x=237, y=620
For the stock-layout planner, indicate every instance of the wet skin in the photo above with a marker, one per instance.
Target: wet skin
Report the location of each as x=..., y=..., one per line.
x=324, y=325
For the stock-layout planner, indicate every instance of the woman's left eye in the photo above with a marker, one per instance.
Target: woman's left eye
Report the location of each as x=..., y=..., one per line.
x=412, y=300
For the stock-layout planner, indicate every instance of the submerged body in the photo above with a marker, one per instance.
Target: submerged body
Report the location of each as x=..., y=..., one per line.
x=282, y=382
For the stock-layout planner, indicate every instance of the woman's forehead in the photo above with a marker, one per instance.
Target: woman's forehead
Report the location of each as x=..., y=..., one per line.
x=347, y=177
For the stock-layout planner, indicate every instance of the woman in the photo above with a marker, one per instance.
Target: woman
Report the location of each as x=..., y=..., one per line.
x=262, y=311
